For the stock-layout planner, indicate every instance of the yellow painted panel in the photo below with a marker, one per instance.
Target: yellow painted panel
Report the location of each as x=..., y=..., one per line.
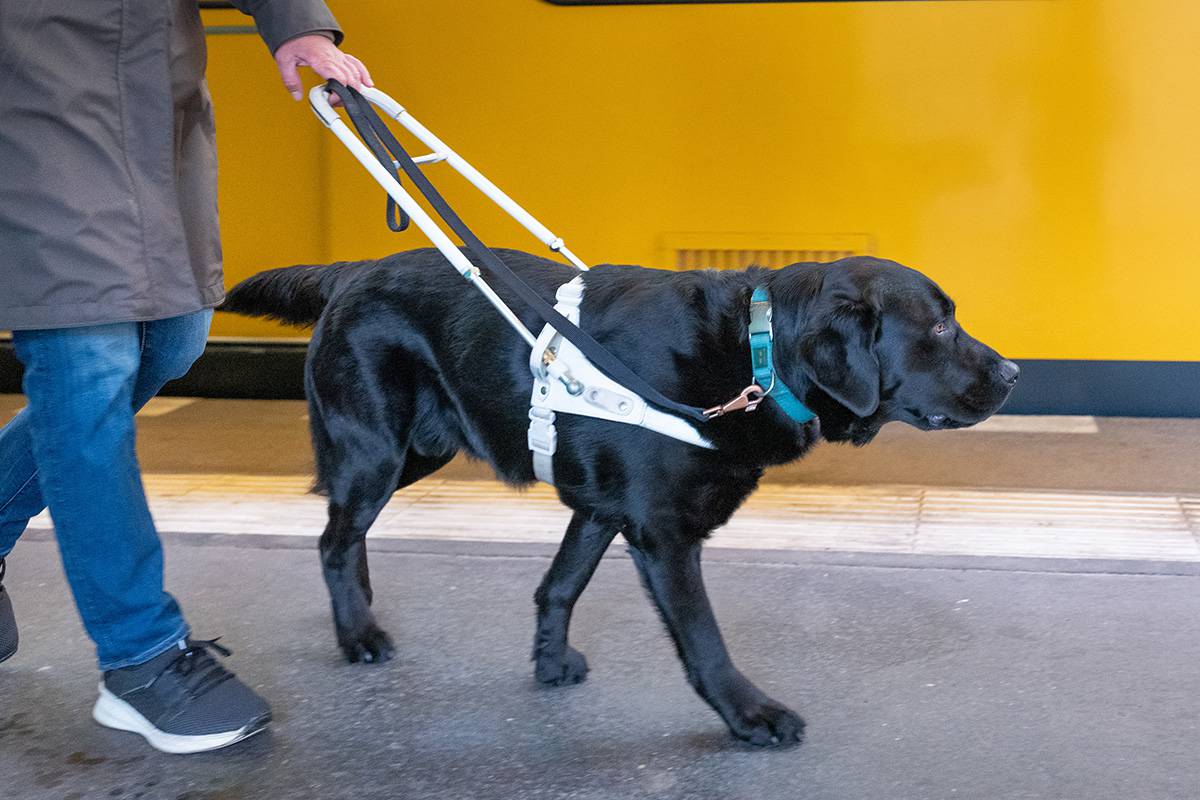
x=271, y=155
x=1034, y=157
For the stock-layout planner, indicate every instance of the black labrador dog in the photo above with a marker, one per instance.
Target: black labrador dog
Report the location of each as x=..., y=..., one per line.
x=409, y=366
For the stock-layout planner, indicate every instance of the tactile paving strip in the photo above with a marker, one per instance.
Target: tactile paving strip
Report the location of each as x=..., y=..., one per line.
x=884, y=519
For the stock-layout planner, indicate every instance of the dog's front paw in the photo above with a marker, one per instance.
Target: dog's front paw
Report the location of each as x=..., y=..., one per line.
x=561, y=670
x=767, y=723
x=370, y=645
x=755, y=718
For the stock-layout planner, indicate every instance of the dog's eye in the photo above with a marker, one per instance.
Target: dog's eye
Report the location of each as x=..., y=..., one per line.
x=940, y=329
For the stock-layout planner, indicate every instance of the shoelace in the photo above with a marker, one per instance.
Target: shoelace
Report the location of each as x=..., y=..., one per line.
x=3, y=567
x=201, y=672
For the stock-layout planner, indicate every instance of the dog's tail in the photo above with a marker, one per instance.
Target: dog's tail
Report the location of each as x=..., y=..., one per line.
x=294, y=295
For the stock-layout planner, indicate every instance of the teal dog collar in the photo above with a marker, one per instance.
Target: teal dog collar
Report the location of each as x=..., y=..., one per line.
x=762, y=359
x=762, y=364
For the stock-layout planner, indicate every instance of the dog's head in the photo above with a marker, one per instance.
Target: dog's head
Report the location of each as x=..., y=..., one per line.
x=877, y=342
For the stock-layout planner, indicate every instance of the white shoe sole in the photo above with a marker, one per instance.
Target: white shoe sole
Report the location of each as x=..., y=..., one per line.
x=113, y=712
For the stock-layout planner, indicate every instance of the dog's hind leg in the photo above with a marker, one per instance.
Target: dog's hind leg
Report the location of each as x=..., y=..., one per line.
x=557, y=663
x=671, y=572
x=356, y=496
x=355, y=501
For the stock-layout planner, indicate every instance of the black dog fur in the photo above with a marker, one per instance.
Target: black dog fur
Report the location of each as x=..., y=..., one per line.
x=408, y=366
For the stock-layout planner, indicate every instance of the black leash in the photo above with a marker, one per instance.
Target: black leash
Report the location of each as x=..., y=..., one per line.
x=396, y=218
x=380, y=139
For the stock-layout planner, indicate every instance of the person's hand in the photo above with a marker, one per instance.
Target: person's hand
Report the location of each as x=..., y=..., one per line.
x=323, y=56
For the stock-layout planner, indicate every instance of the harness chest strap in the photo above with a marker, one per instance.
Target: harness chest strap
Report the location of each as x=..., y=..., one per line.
x=565, y=381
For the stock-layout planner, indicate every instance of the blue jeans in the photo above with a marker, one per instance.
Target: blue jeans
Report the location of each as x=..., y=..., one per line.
x=72, y=448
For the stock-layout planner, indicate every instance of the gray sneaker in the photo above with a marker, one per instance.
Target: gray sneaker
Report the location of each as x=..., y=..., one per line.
x=182, y=701
x=8, y=622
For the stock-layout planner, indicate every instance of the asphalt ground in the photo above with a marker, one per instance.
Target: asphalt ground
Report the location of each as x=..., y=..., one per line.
x=994, y=680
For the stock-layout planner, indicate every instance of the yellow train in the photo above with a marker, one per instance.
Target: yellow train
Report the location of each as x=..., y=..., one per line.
x=1036, y=158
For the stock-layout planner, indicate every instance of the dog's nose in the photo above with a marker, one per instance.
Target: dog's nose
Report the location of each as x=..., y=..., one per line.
x=1009, y=372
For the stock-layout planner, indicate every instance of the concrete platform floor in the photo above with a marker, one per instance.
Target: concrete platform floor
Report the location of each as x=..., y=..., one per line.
x=1041, y=643
x=916, y=683
x=1072, y=453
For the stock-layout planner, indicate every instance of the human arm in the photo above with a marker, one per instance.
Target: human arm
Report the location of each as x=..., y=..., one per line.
x=303, y=33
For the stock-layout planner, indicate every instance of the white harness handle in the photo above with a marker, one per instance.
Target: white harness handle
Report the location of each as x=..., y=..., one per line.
x=564, y=379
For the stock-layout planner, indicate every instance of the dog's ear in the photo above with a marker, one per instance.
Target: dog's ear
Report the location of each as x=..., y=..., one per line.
x=837, y=349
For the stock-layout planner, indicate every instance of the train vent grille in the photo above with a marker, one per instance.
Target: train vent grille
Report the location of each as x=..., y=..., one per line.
x=738, y=251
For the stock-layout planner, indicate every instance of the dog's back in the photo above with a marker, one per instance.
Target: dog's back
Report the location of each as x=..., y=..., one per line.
x=298, y=295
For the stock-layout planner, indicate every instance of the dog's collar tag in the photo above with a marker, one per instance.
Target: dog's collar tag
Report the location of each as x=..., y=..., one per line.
x=762, y=359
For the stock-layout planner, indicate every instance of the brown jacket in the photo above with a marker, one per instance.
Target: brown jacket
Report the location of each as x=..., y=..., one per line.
x=108, y=173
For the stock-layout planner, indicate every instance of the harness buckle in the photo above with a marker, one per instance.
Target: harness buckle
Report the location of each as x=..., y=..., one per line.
x=542, y=436
x=747, y=401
